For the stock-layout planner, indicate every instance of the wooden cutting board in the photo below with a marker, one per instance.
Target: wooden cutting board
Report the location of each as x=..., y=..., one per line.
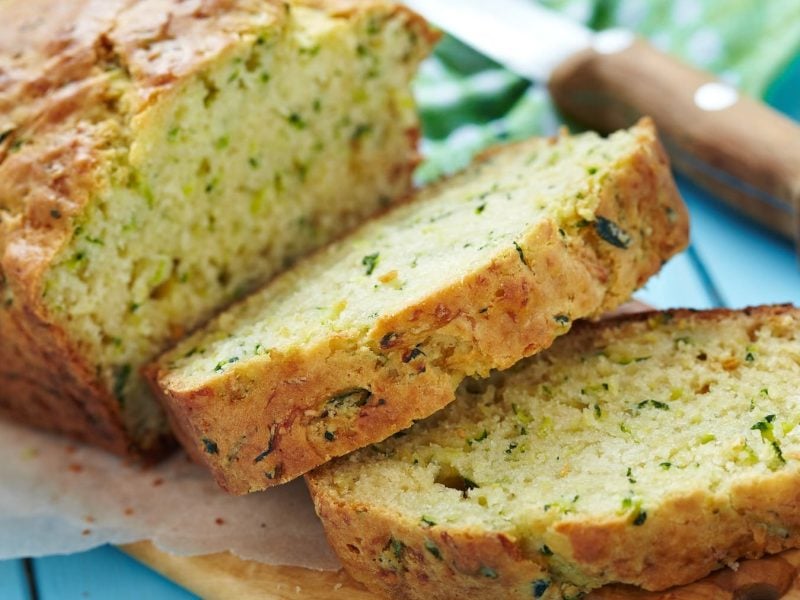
x=223, y=577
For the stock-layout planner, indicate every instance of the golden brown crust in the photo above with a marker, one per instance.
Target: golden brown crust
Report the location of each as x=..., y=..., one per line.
x=74, y=78
x=403, y=560
x=688, y=537
x=45, y=379
x=264, y=424
x=46, y=48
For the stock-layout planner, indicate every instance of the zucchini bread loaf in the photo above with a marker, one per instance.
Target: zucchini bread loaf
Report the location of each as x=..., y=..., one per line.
x=378, y=329
x=647, y=450
x=158, y=158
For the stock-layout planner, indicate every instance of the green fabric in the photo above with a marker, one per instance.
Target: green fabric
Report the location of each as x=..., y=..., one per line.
x=467, y=102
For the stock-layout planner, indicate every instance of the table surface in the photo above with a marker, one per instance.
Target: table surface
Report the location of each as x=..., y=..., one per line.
x=731, y=262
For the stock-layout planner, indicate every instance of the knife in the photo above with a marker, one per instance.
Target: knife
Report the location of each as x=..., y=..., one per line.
x=744, y=152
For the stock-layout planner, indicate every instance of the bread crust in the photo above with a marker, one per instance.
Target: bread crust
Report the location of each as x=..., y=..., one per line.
x=689, y=536
x=264, y=423
x=75, y=77
x=402, y=560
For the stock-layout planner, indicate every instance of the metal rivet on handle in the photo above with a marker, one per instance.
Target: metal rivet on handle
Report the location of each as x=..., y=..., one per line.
x=715, y=96
x=612, y=41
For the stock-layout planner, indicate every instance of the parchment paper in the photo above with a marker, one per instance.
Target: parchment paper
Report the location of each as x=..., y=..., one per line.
x=60, y=497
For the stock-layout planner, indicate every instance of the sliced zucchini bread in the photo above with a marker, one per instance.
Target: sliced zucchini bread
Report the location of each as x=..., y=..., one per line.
x=378, y=329
x=649, y=450
x=160, y=158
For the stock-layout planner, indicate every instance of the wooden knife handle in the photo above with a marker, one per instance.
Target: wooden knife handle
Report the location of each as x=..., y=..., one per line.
x=741, y=150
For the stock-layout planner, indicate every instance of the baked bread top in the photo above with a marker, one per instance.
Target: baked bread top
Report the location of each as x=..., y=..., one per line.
x=648, y=449
x=159, y=159
x=74, y=77
x=379, y=328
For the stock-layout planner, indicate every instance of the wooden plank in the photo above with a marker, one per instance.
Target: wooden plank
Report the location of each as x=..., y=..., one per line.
x=102, y=574
x=13, y=584
x=678, y=285
x=743, y=263
x=747, y=264
x=223, y=576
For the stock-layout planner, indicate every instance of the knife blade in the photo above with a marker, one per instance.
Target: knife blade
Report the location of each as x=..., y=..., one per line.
x=745, y=153
x=500, y=29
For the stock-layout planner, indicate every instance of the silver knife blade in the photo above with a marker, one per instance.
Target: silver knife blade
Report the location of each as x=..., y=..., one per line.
x=525, y=38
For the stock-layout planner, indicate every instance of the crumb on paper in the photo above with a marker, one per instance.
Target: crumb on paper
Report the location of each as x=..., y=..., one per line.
x=89, y=519
x=158, y=481
x=30, y=453
x=75, y=468
x=219, y=521
x=86, y=532
x=128, y=511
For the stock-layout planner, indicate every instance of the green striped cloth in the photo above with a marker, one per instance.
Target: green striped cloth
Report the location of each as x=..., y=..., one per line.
x=468, y=102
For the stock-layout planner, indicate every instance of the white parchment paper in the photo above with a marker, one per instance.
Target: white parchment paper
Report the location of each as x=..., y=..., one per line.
x=60, y=497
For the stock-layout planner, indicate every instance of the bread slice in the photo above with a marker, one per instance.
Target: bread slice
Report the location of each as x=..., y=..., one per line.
x=649, y=449
x=379, y=329
x=160, y=159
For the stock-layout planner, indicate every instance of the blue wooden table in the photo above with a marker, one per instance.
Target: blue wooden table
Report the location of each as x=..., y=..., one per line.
x=731, y=262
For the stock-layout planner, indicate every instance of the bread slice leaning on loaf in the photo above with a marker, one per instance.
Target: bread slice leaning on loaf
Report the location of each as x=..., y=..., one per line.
x=160, y=158
x=648, y=450
x=378, y=329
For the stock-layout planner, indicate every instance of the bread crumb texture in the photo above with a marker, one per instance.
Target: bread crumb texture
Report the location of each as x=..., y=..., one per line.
x=161, y=158
x=648, y=450
x=378, y=329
